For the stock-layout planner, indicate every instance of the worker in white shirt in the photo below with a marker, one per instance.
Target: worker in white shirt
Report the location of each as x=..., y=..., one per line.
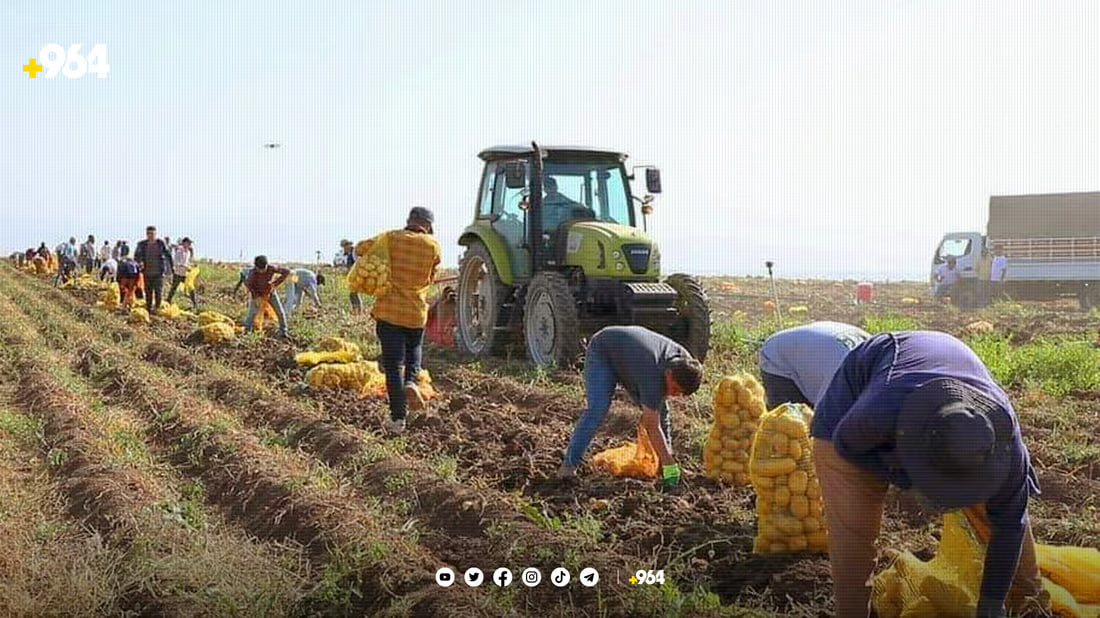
x=997, y=273
x=181, y=262
x=946, y=278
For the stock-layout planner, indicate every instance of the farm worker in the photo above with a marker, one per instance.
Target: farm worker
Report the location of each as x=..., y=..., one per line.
x=261, y=283
x=652, y=368
x=104, y=254
x=127, y=277
x=181, y=261
x=401, y=314
x=155, y=259
x=946, y=278
x=109, y=270
x=116, y=252
x=920, y=411
x=66, y=260
x=348, y=248
x=43, y=252
x=305, y=283
x=797, y=364
x=997, y=272
x=87, y=254
x=984, y=272
x=242, y=276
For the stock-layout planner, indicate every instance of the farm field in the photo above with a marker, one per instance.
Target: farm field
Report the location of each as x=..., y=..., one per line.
x=141, y=476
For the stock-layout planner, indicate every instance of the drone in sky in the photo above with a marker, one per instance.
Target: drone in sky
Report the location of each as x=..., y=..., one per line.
x=272, y=145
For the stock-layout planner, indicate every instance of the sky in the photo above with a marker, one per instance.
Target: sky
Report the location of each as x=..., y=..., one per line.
x=839, y=139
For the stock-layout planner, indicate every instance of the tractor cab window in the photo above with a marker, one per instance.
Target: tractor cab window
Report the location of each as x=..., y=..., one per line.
x=584, y=190
x=506, y=207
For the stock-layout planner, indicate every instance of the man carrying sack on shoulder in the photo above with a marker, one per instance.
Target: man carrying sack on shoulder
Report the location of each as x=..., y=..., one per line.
x=402, y=312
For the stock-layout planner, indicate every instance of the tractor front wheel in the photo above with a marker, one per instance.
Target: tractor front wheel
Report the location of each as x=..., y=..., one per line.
x=692, y=326
x=550, y=323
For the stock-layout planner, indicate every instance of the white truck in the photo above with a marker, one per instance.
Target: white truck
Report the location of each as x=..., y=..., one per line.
x=1051, y=244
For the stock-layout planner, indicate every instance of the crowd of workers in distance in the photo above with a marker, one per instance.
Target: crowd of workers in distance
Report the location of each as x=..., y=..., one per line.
x=917, y=410
x=991, y=269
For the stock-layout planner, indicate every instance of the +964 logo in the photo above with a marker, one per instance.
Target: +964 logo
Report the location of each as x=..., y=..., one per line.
x=648, y=578
x=53, y=59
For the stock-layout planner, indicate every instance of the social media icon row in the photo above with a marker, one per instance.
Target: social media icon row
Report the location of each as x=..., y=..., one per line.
x=530, y=577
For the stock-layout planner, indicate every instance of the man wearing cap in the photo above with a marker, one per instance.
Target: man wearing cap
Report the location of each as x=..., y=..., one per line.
x=401, y=314
x=797, y=364
x=651, y=368
x=920, y=411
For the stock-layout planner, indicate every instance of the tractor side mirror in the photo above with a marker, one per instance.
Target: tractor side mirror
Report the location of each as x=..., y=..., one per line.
x=515, y=175
x=653, y=180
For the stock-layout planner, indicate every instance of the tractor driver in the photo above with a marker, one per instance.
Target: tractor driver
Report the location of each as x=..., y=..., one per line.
x=556, y=207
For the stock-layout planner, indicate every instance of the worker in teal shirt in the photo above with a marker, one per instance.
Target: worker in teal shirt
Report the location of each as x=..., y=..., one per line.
x=920, y=411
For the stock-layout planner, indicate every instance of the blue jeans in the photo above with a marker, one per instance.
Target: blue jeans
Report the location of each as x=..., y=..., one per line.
x=402, y=348
x=599, y=387
x=254, y=308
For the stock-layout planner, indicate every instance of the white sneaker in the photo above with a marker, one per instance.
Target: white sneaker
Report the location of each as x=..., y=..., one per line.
x=414, y=399
x=395, y=427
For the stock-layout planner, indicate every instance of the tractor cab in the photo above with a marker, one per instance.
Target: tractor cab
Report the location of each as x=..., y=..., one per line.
x=555, y=252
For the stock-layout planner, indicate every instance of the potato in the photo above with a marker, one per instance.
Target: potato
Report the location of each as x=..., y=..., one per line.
x=795, y=450
x=775, y=467
x=798, y=480
x=800, y=505
x=811, y=524
x=782, y=496
x=798, y=543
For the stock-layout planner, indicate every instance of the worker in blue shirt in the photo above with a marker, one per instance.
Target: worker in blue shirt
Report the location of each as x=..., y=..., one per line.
x=304, y=283
x=920, y=411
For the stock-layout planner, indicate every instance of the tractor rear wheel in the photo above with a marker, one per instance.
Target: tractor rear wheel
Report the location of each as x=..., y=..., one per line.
x=480, y=296
x=550, y=324
x=692, y=326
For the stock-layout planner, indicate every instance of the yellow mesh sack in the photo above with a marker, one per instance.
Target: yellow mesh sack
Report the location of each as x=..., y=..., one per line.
x=110, y=297
x=370, y=274
x=210, y=317
x=361, y=376
x=190, y=278
x=217, y=332
x=337, y=344
x=1076, y=569
x=738, y=406
x=790, y=514
x=950, y=583
x=138, y=315
x=633, y=459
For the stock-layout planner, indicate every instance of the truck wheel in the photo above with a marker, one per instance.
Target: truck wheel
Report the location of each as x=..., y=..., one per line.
x=550, y=323
x=480, y=295
x=1089, y=297
x=692, y=326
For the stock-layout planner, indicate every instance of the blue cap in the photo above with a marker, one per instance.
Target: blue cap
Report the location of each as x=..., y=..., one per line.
x=955, y=443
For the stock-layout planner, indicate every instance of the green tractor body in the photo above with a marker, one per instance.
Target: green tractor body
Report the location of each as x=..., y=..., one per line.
x=556, y=252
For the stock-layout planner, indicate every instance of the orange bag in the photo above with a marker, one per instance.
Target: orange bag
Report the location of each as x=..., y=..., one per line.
x=266, y=312
x=637, y=460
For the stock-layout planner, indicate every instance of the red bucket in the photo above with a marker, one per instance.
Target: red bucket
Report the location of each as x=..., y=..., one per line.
x=865, y=292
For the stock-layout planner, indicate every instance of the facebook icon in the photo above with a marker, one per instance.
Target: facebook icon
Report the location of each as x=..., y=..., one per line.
x=502, y=578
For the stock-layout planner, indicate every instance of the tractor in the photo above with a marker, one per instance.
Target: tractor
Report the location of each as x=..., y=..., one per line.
x=556, y=252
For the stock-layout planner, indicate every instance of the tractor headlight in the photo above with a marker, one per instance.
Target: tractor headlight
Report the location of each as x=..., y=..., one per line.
x=616, y=255
x=619, y=266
